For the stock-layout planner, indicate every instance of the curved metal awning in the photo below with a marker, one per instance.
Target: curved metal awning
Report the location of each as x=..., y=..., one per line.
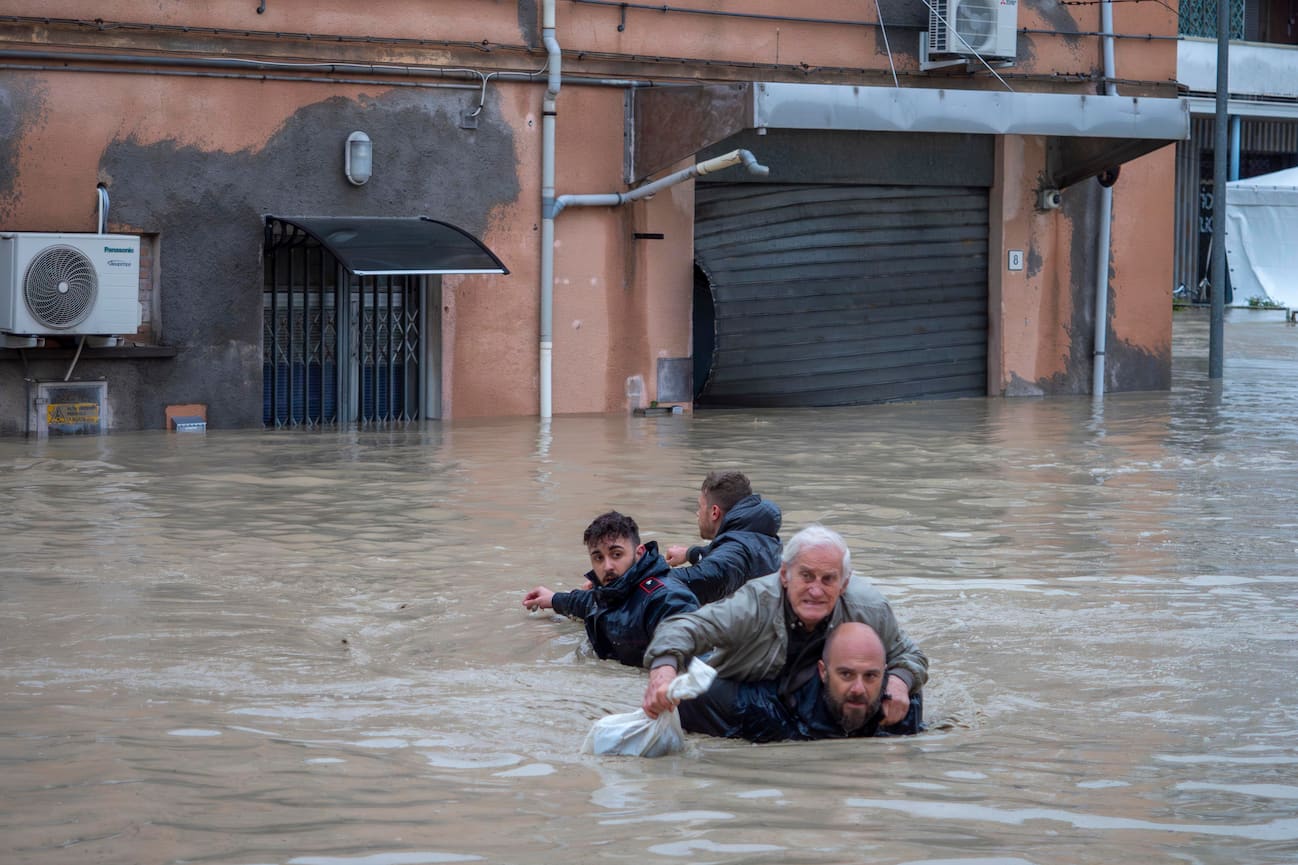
x=387, y=245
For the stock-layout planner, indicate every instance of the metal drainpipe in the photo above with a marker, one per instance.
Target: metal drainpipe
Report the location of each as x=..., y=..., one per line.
x=552, y=206
x=1106, y=221
x=556, y=205
x=613, y=199
x=548, y=111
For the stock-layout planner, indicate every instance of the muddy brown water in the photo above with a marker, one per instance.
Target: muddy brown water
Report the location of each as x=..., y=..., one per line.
x=308, y=648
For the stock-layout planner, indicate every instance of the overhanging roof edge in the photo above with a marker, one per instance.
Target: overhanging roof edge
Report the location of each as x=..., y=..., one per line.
x=912, y=109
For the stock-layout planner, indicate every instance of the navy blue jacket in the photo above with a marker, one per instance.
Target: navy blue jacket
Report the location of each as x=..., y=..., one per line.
x=621, y=617
x=756, y=712
x=747, y=545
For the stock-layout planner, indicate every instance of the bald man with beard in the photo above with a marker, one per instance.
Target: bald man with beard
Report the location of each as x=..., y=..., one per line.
x=844, y=701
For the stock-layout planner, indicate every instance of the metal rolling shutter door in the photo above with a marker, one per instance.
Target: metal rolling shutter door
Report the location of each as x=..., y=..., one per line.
x=837, y=294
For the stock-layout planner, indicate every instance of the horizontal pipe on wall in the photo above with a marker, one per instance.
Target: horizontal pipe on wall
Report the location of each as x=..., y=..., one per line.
x=166, y=60
x=250, y=76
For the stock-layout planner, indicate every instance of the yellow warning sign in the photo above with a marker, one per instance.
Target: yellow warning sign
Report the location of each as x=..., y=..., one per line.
x=66, y=413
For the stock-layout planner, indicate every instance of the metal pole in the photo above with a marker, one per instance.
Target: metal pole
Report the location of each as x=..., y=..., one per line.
x=1220, y=158
x=1105, y=235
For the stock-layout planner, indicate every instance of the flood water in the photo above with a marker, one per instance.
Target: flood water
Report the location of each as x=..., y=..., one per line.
x=309, y=649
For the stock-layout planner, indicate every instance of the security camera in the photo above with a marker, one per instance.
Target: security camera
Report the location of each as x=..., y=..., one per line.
x=1049, y=199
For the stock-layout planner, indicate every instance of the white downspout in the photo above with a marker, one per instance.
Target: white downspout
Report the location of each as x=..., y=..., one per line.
x=1106, y=220
x=554, y=59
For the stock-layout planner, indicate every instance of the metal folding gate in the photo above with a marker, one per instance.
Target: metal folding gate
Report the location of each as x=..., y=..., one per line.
x=337, y=348
x=838, y=294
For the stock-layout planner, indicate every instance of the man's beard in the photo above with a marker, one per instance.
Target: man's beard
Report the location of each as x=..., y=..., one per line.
x=853, y=716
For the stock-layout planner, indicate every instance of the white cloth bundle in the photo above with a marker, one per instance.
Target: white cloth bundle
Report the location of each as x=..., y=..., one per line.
x=635, y=734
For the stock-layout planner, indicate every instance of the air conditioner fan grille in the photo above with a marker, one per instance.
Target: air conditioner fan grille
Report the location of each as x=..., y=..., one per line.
x=975, y=20
x=60, y=286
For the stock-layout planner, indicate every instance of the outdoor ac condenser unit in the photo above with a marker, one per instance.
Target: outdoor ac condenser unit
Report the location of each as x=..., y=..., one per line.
x=987, y=28
x=56, y=284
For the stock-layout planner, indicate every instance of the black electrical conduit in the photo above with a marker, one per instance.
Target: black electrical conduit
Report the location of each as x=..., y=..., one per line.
x=261, y=69
x=753, y=16
x=104, y=26
x=247, y=76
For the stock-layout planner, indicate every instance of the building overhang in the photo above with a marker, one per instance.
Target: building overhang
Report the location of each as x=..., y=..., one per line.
x=1261, y=108
x=1263, y=79
x=1087, y=133
x=1256, y=70
x=387, y=246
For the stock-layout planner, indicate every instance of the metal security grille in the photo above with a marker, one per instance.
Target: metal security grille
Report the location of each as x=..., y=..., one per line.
x=337, y=348
x=387, y=354
x=1199, y=18
x=836, y=294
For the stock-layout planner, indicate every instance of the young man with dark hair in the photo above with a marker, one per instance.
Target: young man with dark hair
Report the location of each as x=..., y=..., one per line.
x=632, y=591
x=744, y=531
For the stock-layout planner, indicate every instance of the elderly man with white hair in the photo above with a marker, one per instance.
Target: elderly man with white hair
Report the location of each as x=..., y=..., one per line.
x=774, y=628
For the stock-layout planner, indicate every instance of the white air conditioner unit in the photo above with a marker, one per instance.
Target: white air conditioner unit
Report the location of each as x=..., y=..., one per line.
x=987, y=28
x=56, y=284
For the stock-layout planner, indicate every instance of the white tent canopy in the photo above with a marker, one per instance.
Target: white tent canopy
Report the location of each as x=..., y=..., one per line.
x=1262, y=237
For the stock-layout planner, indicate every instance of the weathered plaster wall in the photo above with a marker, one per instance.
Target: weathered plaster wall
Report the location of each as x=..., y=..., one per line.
x=667, y=274
x=201, y=162
x=815, y=48
x=21, y=107
x=1036, y=303
x=619, y=303
x=599, y=315
x=490, y=324
x=1043, y=332
x=468, y=20
x=1139, y=349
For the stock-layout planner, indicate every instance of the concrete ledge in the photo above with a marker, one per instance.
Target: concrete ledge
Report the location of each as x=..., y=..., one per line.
x=140, y=352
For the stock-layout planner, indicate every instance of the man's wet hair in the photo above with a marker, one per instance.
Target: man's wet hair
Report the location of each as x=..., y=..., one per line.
x=610, y=526
x=725, y=489
x=816, y=535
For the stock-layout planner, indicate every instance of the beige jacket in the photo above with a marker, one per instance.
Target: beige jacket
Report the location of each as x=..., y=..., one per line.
x=748, y=632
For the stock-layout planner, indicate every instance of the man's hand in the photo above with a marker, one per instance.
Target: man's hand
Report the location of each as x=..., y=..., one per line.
x=898, y=702
x=539, y=598
x=656, y=700
x=677, y=555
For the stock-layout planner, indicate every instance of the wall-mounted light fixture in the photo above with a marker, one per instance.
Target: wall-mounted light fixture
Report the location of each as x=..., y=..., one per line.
x=358, y=158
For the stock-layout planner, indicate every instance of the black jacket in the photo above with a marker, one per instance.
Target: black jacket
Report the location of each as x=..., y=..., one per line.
x=756, y=712
x=620, y=618
x=747, y=545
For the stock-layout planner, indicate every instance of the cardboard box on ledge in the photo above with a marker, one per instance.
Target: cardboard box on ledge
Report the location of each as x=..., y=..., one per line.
x=190, y=417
